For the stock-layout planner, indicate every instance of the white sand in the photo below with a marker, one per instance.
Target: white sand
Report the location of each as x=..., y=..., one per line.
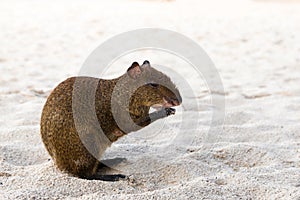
x=255, y=46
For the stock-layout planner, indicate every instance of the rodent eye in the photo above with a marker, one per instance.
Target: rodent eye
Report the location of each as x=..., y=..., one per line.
x=154, y=85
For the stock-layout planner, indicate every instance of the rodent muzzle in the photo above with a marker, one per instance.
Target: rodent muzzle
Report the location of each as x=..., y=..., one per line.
x=170, y=102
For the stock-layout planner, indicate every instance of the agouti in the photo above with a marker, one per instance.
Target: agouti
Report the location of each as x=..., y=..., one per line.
x=76, y=141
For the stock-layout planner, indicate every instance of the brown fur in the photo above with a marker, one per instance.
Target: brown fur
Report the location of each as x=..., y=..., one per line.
x=58, y=130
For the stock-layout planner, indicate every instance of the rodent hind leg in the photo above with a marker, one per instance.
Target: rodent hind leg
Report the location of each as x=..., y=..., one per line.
x=152, y=117
x=101, y=172
x=106, y=170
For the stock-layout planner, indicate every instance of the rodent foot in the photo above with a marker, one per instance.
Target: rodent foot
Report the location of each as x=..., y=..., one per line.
x=107, y=177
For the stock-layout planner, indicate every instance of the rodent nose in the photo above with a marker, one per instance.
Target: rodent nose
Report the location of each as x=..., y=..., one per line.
x=179, y=100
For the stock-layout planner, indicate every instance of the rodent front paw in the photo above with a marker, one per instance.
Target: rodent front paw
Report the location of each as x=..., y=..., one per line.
x=170, y=111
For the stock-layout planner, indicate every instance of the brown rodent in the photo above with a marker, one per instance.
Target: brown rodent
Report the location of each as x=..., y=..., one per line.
x=143, y=86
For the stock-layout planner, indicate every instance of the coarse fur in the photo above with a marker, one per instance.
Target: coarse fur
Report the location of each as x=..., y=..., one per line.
x=66, y=133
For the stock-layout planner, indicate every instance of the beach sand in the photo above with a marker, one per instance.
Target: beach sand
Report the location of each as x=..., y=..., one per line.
x=255, y=46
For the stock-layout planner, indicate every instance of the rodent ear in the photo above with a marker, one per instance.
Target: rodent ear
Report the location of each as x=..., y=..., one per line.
x=146, y=63
x=134, y=70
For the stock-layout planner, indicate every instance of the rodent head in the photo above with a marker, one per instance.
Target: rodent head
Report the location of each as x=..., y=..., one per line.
x=157, y=89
